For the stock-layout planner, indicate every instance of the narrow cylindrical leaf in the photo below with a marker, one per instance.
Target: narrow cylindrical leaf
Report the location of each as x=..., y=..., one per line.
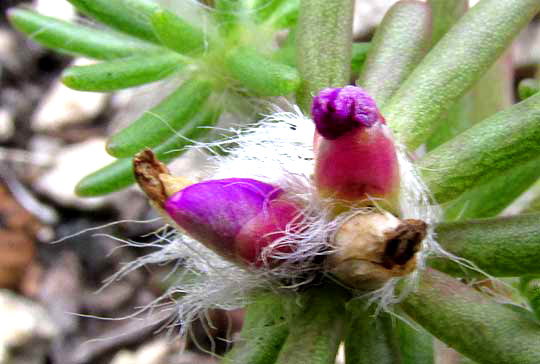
x=162, y=121
x=259, y=74
x=468, y=321
x=530, y=287
x=502, y=247
x=122, y=73
x=263, y=9
x=359, y=55
x=324, y=38
x=263, y=333
x=129, y=16
x=489, y=199
x=528, y=87
x=485, y=151
x=416, y=345
x=316, y=326
x=285, y=15
x=75, y=38
x=370, y=338
x=532, y=206
x=445, y=15
x=400, y=42
x=119, y=174
x=177, y=34
x=230, y=14
x=494, y=92
x=478, y=38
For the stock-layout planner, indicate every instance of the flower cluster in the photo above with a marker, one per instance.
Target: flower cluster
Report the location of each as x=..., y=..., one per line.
x=296, y=199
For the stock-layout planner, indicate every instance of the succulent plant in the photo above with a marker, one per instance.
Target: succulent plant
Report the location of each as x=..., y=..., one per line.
x=311, y=221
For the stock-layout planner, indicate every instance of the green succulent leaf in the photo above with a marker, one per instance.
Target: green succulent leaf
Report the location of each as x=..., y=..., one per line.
x=360, y=52
x=263, y=9
x=456, y=62
x=416, y=345
x=489, y=199
x=470, y=321
x=324, y=38
x=123, y=73
x=163, y=120
x=528, y=87
x=75, y=38
x=400, y=42
x=501, y=247
x=119, y=174
x=370, y=338
x=530, y=287
x=491, y=94
x=177, y=34
x=263, y=333
x=128, y=16
x=312, y=317
x=445, y=14
x=260, y=74
x=285, y=15
x=230, y=15
x=485, y=151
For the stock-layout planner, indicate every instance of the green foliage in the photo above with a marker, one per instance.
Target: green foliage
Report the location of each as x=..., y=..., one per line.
x=455, y=98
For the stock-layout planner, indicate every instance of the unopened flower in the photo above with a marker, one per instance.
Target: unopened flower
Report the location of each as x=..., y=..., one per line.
x=235, y=217
x=356, y=160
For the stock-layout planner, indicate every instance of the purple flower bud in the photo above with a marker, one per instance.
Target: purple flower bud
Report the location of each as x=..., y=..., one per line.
x=355, y=157
x=337, y=111
x=235, y=217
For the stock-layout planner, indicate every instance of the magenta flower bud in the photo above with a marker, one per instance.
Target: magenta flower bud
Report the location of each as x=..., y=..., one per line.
x=356, y=158
x=235, y=217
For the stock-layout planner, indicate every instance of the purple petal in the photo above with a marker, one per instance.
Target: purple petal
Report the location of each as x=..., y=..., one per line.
x=213, y=212
x=336, y=111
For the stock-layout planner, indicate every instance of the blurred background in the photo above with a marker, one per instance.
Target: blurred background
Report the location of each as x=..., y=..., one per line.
x=53, y=303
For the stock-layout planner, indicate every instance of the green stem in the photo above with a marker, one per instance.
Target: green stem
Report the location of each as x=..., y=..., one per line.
x=263, y=333
x=472, y=323
x=485, y=151
x=317, y=323
x=445, y=74
x=324, y=38
x=503, y=247
x=400, y=42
